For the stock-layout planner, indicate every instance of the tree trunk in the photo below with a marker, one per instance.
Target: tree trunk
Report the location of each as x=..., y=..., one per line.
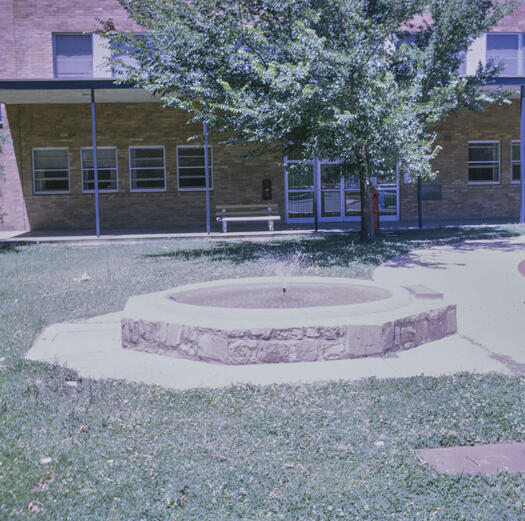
x=367, y=216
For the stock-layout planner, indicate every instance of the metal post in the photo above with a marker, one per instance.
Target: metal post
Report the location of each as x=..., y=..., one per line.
x=95, y=164
x=419, y=202
x=207, y=178
x=317, y=184
x=522, y=155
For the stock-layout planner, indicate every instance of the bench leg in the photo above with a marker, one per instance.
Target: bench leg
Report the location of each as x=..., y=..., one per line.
x=224, y=226
x=270, y=226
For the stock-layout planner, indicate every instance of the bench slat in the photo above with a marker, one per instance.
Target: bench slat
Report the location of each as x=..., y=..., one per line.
x=227, y=207
x=247, y=214
x=262, y=218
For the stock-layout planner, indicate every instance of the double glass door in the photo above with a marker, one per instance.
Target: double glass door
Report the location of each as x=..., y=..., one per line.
x=335, y=195
x=340, y=197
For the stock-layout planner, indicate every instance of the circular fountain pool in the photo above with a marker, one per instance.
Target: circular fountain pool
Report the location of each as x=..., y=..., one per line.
x=280, y=293
x=271, y=319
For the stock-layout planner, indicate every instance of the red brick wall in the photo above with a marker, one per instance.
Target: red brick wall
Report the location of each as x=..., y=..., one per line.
x=514, y=22
x=13, y=215
x=7, y=40
x=26, y=28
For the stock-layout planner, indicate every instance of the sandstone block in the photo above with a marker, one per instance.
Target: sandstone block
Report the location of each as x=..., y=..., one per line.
x=213, y=346
x=312, y=332
x=243, y=351
x=451, y=326
x=364, y=340
x=294, y=333
x=304, y=351
x=274, y=352
x=333, y=349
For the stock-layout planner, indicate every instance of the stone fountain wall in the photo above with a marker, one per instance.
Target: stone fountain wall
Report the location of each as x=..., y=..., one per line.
x=295, y=344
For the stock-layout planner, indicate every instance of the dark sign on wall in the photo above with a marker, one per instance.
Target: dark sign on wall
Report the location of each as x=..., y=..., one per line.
x=431, y=192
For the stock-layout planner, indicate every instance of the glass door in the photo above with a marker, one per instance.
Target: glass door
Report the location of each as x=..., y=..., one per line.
x=330, y=191
x=299, y=192
x=337, y=194
x=351, y=197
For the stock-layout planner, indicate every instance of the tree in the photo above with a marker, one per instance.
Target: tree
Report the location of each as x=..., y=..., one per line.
x=338, y=79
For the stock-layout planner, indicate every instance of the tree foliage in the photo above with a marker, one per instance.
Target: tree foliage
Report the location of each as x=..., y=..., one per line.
x=360, y=81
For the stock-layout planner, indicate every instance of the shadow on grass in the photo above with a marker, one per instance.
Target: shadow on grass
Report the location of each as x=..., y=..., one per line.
x=9, y=248
x=333, y=250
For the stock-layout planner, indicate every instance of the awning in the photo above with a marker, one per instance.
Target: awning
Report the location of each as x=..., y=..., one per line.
x=71, y=91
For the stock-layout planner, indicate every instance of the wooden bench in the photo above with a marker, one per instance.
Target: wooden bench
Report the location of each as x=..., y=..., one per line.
x=247, y=212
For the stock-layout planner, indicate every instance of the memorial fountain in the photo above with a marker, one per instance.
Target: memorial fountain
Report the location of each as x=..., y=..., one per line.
x=285, y=319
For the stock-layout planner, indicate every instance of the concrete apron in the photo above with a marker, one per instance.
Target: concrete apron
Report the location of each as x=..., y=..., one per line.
x=480, y=276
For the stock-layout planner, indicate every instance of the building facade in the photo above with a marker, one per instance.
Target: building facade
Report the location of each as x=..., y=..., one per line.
x=152, y=177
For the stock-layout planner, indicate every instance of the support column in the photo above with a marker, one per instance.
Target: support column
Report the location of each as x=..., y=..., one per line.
x=419, y=202
x=207, y=178
x=522, y=156
x=95, y=163
x=317, y=191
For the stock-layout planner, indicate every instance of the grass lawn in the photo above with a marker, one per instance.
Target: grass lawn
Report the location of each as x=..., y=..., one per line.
x=79, y=450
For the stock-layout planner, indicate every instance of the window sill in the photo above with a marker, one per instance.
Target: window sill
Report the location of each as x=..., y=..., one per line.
x=195, y=189
x=62, y=192
x=100, y=191
x=138, y=190
x=481, y=183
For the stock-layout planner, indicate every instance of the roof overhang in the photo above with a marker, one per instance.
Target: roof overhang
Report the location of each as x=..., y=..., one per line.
x=511, y=84
x=71, y=91
x=55, y=91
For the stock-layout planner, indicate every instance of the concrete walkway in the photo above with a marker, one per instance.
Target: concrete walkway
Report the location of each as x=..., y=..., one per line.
x=480, y=276
x=483, y=279
x=241, y=231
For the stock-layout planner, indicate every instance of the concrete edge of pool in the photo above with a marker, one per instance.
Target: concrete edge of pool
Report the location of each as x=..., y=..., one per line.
x=154, y=323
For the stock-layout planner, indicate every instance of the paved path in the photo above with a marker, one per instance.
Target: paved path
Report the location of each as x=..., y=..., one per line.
x=481, y=276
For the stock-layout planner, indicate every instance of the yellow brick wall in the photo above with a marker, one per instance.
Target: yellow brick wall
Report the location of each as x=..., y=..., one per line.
x=460, y=199
x=236, y=180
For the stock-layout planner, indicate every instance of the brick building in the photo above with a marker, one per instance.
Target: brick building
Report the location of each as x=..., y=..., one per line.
x=151, y=177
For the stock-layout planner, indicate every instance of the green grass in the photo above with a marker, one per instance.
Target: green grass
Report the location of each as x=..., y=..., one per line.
x=129, y=452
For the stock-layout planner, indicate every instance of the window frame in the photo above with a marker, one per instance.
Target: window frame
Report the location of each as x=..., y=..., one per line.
x=51, y=192
x=210, y=160
x=131, y=189
x=55, y=72
x=512, y=162
x=469, y=163
x=520, y=69
x=104, y=190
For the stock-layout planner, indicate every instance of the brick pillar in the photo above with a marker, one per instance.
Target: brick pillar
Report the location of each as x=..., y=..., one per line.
x=13, y=212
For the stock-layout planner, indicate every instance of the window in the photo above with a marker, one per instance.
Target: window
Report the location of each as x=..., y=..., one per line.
x=107, y=169
x=122, y=54
x=190, y=167
x=420, y=40
x=146, y=169
x=507, y=49
x=483, y=162
x=515, y=162
x=50, y=170
x=73, y=55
